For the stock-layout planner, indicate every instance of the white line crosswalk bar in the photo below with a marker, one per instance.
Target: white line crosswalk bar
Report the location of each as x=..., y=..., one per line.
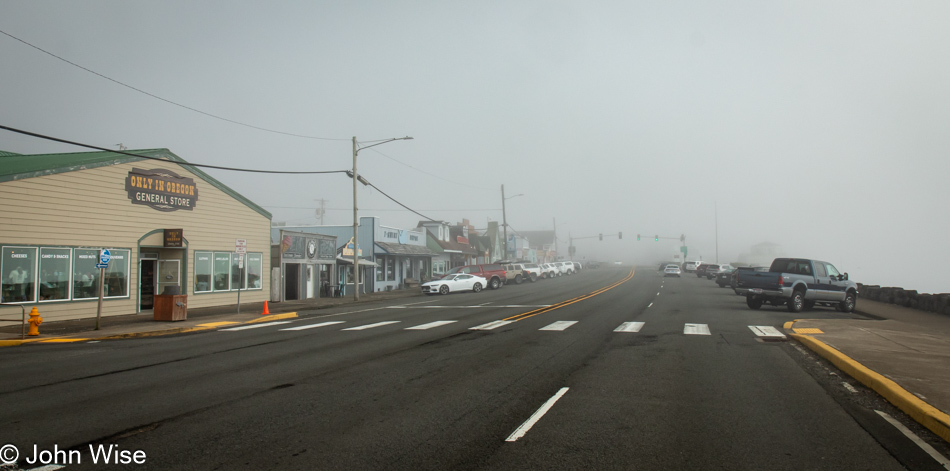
x=430, y=325
x=370, y=326
x=254, y=326
x=314, y=326
x=629, y=327
x=559, y=325
x=491, y=325
x=696, y=329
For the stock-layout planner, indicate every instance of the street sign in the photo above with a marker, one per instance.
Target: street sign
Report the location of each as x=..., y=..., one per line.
x=241, y=261
x=240, y=246
x=102, y=265
x=104, y=256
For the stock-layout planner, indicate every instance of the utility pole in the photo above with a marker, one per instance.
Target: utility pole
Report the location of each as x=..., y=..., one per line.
x=356, y=244
x=555, y=237
x=323, y=209
x=716, y=209
x=504, y=220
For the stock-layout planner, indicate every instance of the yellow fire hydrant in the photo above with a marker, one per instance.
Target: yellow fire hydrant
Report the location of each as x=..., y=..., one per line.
x=35, y=321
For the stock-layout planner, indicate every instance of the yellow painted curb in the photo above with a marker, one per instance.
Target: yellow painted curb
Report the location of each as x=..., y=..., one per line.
x=63, y=340
x=12, y=343
x=273, y=317
x=927, y=415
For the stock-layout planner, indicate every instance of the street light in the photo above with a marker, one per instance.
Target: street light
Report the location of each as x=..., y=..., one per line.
x=504, y=217
x=356, y=244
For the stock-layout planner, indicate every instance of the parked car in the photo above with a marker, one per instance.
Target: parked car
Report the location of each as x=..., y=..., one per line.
x=492, y=272
x=566, y=268
x=799, y=284
x=701, y=270
x=532, y=271
x=577, y=267
x=672, y=270
x=514, y=272
x=548, y=270
x=454, y=282
x=712, y=272
x=724, y=276
x=593, y=265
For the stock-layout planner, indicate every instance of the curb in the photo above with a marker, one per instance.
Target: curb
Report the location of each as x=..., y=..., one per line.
x=154, y=333
x=927, y=415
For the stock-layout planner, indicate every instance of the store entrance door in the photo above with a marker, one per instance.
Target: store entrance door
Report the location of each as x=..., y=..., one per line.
x=146, y=284
x=169, y=275
x=291, y=281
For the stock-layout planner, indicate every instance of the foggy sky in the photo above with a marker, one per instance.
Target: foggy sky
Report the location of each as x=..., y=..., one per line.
x=818, y=126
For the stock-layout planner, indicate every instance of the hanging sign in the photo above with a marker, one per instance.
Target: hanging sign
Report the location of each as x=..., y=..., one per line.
x=173, y=238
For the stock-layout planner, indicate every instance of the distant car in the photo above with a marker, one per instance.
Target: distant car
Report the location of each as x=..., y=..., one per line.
x=593, y=265
x=712, y=272
x=690, y=267
x=548, y=270
x=455, y=282
x=492, y=272
x=566, y=268
x=701, y=270
x=577, y=267
x=514, y=273
x=724, y=276
x=532, y=271
x=672, y=270
x=618, y=262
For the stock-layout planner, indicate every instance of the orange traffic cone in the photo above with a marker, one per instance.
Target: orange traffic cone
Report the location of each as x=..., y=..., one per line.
x=266, y=311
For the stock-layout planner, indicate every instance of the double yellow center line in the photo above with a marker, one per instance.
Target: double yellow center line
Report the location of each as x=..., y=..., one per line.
x=578, y=299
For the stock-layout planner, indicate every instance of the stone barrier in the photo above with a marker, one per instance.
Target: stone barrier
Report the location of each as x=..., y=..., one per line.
x=939, y=303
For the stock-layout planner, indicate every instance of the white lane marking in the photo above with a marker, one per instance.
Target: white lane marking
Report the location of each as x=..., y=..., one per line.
x=254, y=326
x=430, y=325
x=491, y=325
x=480, y=305
x=314, y=326
x=657, y=293
x=651, y=305
x=696, y=329
x=849, y=387
x=559, y=325
x=49, y=467
x=395, y=307
x=629, y=327
x=370, y=326
x=523, y=429
x=913, y=436
x=94, y=341
x=766, y=331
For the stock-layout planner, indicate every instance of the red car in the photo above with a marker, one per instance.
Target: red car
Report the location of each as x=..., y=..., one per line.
x=492, y=272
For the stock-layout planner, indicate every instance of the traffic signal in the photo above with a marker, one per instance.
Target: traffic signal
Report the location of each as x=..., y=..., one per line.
x=638, y=236
x=601, y=237
x=620, y=235
x=656, y=238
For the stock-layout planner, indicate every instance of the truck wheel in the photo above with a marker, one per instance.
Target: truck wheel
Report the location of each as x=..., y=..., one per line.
x=533, y=278
x=848, y=304
x=494, y=283
x=518, y=279
x=753, y=302
x=797, y=302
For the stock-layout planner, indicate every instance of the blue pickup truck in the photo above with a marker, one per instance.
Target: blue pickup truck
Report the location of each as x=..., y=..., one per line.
x=799, y=284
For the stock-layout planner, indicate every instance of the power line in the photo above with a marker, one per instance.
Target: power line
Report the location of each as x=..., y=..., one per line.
x=167, y=100
x=50, y=138
x=378, y=209
x=397, y=202
x=427, y=173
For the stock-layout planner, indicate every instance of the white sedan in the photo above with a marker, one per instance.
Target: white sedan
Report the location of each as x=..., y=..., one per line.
x=455, y=282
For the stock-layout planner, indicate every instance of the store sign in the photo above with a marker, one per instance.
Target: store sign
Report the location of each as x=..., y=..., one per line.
x=173, y=238
x=161, y=189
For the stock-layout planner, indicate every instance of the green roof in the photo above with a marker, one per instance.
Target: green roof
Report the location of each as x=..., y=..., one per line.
x=18, y=166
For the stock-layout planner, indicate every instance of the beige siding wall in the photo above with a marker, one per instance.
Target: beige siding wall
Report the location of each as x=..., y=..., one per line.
x=90, y=208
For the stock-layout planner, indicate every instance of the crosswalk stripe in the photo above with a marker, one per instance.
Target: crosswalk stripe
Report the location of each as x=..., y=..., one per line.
x=767, y=331
x=314, y=326
x=629, y=327
x=559, y=325
x=430, y=325
x=370, y=326
x=491, y=325
x=696, y=329
x=254, y=326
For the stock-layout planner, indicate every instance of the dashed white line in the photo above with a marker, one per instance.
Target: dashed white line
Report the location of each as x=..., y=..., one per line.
x=491, y=325
x=254, y=326
x=559, y=325
x=430, y=325
x=651, y=305
x=523, y=429
x=370, y=326
x=314, y=326
x=696, y=329
x=629, y=327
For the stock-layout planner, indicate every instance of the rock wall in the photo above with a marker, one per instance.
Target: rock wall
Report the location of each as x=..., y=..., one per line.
x=939, y=303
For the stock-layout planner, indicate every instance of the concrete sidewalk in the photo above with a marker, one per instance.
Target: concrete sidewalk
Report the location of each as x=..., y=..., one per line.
x=143, y=325
x=902, y=353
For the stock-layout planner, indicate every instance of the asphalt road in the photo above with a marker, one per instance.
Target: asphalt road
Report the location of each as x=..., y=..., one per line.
x=424, y=390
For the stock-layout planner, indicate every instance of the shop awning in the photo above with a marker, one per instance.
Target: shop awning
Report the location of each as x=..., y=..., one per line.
x=349, y=261
x=389, y=248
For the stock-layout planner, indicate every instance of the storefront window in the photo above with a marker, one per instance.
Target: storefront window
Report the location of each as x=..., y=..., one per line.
x=391, y=269
x=237, y=278
x=380, y=267
x=222, y=271
x=18, y=267
x=254, y=265
x=117, y=275
x=85, y=274
x=203, y=270
x=54, y=274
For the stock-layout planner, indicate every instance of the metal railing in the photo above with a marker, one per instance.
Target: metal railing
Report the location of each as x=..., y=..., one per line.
x=22, y=321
